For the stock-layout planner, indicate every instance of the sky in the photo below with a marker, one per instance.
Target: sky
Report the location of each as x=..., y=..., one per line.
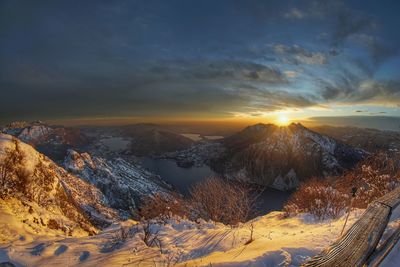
x=198, y=60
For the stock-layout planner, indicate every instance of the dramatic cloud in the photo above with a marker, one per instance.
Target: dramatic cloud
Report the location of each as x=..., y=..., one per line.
x=379, y=51
x=349, y=89
x=298, y=55
x=349, y=23
x=204, y=58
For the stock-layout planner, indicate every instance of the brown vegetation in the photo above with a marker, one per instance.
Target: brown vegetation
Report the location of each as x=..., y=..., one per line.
x=317, y=197
x=372, y=178
x=212, y=199
x=163, y=207
x=13, y=175
x=223, y=201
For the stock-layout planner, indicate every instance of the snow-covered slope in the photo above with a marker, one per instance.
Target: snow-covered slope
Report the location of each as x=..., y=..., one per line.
x=124, y=184
x=40, y=193
x=277, y=241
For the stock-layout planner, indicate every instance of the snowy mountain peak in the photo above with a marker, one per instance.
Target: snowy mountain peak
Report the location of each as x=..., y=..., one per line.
x=258, y=127
x=281, y=157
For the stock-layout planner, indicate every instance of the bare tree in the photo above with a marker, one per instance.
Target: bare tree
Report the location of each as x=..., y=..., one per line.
x=163, y=206
x=251, y=238
x=223, y=201
x=150, y=238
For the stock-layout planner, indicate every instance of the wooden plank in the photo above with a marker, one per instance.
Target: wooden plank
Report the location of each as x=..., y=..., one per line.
x=380, y=254
x=359, y=242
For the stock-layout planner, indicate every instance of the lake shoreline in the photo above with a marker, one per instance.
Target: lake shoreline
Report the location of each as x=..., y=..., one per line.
x=183, y=178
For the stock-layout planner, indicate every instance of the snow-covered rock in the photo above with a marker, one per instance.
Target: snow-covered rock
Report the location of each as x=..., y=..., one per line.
x=53, y=141
x=77, y=162
x=34, y=181
x=124, y=184
x=28, y=132
x=34, y=132
x=287, y=182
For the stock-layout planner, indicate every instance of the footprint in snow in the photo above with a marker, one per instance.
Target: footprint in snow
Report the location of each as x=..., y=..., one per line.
x=60, y=250
x=38, y=249
x=84, y=256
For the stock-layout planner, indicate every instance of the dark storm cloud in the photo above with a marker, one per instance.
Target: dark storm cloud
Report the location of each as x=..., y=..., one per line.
x=169, y=86
x=223, y=70
x=178, y=86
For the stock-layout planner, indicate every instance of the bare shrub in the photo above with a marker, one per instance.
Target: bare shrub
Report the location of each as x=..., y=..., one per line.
x=53, y=224
x=150, y=238
x=222, y=201
x=374, y=177
x=118, y=238
x=317, y=197
x=162, y=206
x=124, y=233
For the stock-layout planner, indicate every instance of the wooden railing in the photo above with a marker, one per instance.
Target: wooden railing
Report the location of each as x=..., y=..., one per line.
x=356, y=246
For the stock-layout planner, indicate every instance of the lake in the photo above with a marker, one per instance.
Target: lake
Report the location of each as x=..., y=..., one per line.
x=116, y=144
x=183, y=178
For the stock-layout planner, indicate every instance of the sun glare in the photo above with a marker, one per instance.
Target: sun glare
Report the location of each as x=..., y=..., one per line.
x=283, y=120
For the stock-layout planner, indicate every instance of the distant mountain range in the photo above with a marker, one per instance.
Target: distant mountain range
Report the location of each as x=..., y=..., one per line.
x=154, y=140
x=371, y=121
x=265, y=154
x=371, y=140
x=53, y=141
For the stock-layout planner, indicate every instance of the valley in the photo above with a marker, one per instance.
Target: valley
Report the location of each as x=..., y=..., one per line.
x=107, y=162
x=202, y=133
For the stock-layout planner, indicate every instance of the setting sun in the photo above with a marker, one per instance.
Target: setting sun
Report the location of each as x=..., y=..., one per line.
x=282, y=120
